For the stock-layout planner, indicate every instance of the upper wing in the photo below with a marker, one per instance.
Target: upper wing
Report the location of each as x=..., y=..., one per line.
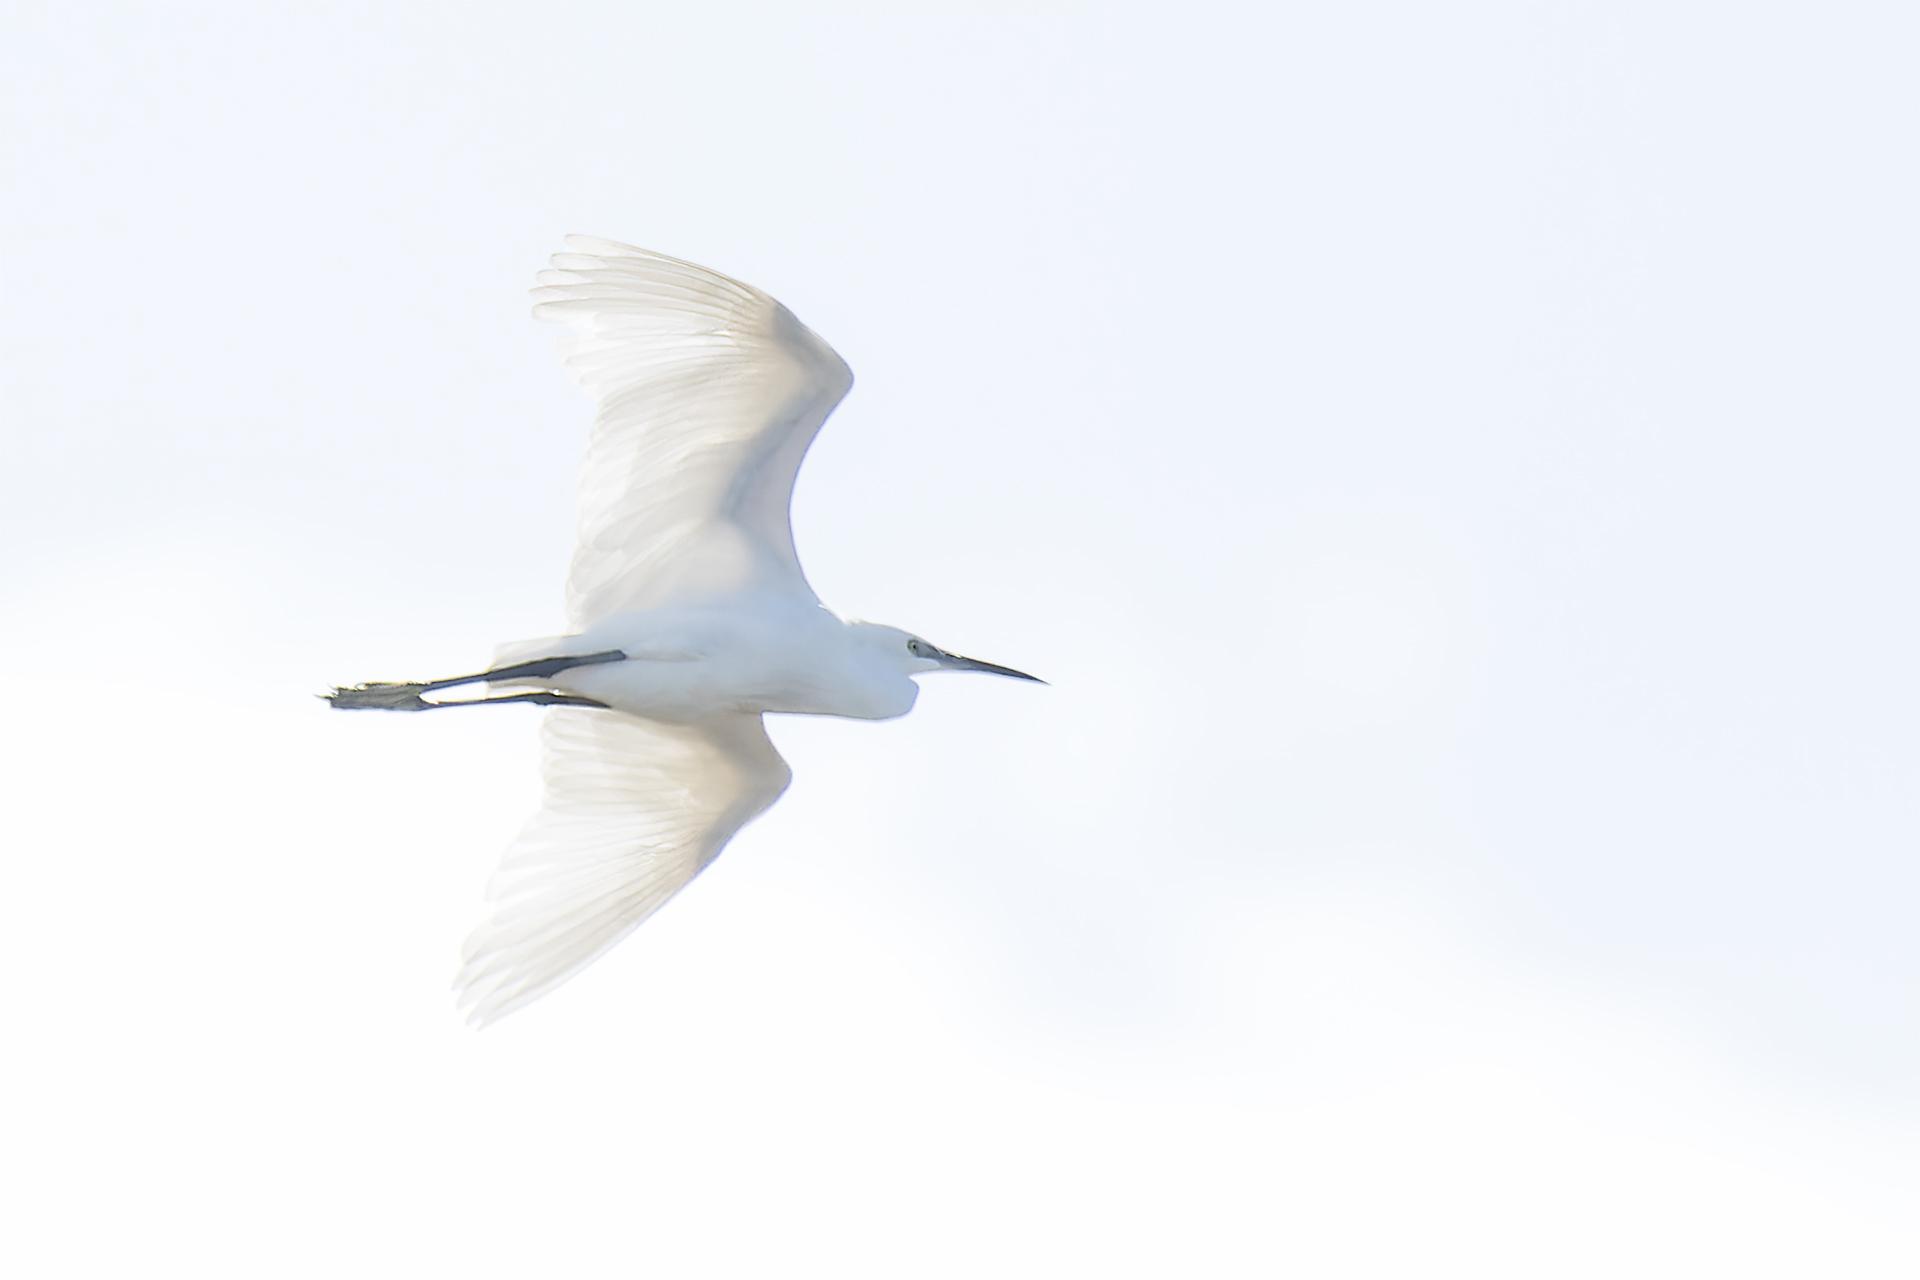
x=709, y=394
x=634, y=809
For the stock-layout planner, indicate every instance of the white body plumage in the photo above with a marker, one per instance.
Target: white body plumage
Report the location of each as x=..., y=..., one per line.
x=751, y=654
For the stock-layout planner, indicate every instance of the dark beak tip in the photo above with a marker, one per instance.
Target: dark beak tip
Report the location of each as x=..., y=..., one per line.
x=958, y=662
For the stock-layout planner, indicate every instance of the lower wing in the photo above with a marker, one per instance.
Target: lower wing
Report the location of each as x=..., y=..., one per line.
x=633, y=810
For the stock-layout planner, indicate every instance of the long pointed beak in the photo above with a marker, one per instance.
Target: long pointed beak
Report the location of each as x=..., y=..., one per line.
x=954, y=662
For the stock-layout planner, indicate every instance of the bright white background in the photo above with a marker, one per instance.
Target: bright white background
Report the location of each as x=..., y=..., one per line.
x=1456, y=463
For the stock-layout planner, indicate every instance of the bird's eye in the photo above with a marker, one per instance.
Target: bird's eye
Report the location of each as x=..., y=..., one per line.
x=913, y=647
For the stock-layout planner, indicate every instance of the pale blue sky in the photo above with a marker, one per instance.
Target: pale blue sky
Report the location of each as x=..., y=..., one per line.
x=1455, y=463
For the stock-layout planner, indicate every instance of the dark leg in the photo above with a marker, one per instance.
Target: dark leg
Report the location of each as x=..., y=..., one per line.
x=539, y=669
x=406, y=696
x=540, y=699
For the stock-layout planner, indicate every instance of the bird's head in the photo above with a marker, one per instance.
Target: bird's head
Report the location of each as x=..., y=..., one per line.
x=910, y=655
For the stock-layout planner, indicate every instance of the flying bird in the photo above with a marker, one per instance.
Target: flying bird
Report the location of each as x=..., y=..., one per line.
x=689, y=616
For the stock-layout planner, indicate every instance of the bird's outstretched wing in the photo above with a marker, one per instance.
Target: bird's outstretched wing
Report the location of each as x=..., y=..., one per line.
x=634, y=809
x=709, y=394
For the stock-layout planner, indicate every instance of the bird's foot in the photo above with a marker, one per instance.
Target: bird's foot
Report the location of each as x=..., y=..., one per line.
x=379, y=696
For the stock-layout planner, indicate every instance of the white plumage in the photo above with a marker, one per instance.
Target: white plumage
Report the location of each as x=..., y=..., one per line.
x=633, y=810
x=709, y=393
x=690, y=615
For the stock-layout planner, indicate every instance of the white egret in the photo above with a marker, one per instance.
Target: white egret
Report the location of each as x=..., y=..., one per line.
x=690, y=617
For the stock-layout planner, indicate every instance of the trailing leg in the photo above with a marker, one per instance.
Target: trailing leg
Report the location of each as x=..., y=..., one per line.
x=405, y=696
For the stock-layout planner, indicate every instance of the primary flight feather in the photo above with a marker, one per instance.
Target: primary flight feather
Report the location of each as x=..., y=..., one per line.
x=690, y=617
